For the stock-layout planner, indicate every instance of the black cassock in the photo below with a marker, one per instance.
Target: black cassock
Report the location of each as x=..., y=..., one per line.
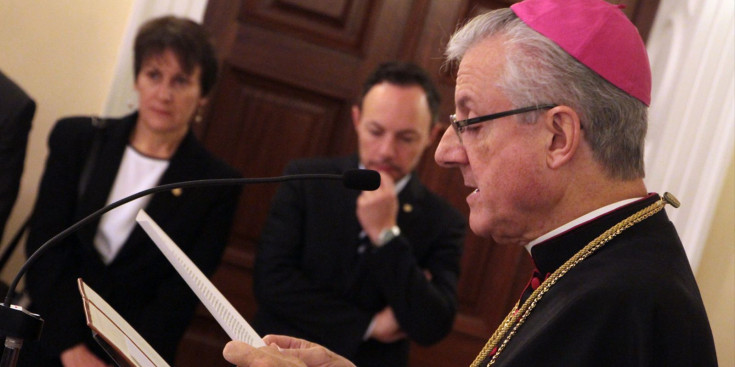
x=633, y=302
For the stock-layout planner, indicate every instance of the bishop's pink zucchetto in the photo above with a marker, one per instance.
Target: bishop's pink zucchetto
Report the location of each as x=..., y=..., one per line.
x=597, y=34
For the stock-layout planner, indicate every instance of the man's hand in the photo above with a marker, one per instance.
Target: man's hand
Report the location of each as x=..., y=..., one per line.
x=293, y=352
x=378, y=210
x=386, y=328
x=80, y=356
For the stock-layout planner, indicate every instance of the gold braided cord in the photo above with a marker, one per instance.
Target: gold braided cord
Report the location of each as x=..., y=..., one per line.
x=517, y=317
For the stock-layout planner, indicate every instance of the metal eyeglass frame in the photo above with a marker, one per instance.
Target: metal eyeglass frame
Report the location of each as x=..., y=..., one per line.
x=460, y=125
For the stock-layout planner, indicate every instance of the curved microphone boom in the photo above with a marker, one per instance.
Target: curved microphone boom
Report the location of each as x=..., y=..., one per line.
x=24, y=324
x=356, y=179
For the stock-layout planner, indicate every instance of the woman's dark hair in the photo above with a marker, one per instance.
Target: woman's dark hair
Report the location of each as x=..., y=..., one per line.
x=188, y=40
x=404, y=74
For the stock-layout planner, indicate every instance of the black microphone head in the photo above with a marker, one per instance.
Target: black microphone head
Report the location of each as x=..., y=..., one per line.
x=361, y=179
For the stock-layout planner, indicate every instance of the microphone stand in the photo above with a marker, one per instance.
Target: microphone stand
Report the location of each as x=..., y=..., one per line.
x=17, y=324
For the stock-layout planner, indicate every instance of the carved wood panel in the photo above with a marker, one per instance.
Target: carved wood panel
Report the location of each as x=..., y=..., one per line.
x=291, y=70
x=337, y=24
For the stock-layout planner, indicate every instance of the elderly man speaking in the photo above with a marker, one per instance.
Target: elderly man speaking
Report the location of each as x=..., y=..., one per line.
x=551, y=115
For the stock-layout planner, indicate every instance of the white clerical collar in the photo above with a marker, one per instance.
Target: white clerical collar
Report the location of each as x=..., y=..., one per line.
x=585, y=218
x=399, y=185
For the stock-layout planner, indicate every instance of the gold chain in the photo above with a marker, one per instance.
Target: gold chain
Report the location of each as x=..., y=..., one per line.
x=517, y=317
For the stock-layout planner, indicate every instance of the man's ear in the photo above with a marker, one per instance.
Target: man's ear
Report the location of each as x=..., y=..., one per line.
x=563, y=125
x=355, y=116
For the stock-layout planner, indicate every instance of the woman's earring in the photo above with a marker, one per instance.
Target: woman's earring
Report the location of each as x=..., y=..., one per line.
x=198, y=117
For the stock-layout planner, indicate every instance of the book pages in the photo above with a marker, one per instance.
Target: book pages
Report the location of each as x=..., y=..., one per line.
x=115, y=335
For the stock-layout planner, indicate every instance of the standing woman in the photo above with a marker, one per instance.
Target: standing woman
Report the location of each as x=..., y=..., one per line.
x=92, y=163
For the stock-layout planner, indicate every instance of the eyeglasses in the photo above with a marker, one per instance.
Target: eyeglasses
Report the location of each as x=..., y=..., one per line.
x=460, y=125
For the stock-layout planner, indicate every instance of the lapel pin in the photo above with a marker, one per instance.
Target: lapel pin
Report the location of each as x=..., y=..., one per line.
x=177, y=192
x=407, y=208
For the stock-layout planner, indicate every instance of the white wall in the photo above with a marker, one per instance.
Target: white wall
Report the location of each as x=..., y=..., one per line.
x=716, y=273
x=62, y=53
x=689, y=146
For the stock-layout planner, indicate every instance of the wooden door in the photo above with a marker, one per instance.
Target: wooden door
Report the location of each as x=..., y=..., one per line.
x=291, y=70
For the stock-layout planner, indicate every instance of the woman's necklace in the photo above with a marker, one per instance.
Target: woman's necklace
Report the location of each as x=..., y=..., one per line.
x=517, y=317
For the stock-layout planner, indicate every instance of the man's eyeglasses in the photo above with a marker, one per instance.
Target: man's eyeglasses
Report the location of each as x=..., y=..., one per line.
x=460, y=125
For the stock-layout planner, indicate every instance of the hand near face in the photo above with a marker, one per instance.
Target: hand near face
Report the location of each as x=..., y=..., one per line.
x=377, y=210
x=80, y=356
x=386, y=328
x=293, y=352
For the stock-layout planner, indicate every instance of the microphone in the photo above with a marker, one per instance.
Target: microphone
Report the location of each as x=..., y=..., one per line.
x=361, y=179
x=17, y=324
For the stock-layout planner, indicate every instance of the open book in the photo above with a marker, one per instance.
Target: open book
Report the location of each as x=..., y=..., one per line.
x=126, y=347
x=113, y=330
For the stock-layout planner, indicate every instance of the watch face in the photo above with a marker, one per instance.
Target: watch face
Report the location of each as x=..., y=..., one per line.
x=387, y=235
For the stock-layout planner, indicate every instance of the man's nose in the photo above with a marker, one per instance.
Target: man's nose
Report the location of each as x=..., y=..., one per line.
x=450, y=152
x=387, y=147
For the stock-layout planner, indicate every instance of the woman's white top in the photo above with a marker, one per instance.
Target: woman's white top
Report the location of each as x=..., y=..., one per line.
x=137, y=172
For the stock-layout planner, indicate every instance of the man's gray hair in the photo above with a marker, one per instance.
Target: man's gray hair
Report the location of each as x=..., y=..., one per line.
x=537, y=71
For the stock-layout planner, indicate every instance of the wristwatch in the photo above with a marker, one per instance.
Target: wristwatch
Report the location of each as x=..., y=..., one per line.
x=387, y=235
